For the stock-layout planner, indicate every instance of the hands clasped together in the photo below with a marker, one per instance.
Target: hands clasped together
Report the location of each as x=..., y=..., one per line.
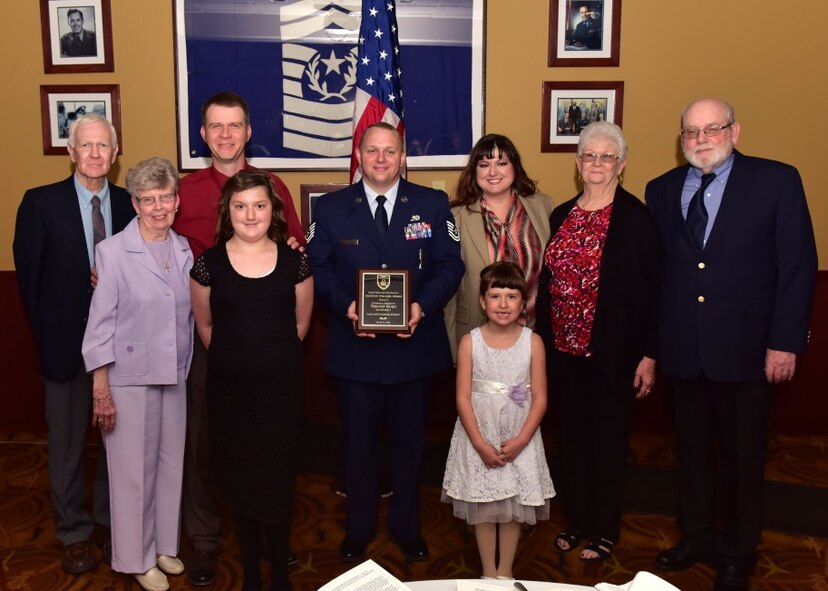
x=494, y=458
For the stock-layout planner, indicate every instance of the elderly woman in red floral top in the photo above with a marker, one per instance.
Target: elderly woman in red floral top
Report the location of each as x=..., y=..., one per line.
x=596, y=311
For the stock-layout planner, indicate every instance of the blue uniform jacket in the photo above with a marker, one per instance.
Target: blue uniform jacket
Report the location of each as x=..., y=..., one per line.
x=343, y=238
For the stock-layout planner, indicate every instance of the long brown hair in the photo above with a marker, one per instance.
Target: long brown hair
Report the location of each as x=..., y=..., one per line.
x=469, y=192
x=243, y=181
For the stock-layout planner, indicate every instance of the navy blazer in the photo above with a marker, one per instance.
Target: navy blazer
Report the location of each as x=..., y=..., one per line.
x=750, y=289
x=53, y=273
x=343, y=238
x=626, y=313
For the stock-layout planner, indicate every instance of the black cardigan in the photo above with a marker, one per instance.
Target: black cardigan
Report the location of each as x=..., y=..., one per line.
x=626, y=313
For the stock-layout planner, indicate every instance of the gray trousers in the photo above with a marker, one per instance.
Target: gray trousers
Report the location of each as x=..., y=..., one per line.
x=199, y=510
x=68, y=416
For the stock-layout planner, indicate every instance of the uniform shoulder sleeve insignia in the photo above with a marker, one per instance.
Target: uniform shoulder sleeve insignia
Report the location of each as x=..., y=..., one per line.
x=453, y=232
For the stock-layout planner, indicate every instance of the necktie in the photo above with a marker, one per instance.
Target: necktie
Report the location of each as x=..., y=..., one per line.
x=697, y=212
x=98, y=226
x=381, y=216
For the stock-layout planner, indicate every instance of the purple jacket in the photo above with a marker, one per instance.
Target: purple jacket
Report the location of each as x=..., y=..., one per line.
x=132, y=320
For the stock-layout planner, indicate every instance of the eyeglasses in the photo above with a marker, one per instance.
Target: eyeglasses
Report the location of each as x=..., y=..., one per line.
x=150, y=201
x=692, y=133
x=604, y=158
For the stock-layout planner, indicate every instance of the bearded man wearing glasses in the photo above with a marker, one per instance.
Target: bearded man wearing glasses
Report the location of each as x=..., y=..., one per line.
x=737, y=279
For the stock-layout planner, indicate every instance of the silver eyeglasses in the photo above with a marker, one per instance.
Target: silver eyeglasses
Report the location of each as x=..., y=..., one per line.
x=604, y=158
x=150, y=201
x=691, y=133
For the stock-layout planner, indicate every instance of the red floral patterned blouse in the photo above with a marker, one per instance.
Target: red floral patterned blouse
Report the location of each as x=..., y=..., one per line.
x=573, y=258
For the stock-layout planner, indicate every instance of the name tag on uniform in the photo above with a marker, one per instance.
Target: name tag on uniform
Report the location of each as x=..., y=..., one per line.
x=417, y=230
x=351, y=242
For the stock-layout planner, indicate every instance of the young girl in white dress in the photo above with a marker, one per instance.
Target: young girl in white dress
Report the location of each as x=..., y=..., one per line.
x=496, y=475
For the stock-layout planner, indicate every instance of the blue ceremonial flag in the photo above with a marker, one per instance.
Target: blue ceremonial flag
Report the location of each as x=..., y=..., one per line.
x=379, y=94
x=298, y=63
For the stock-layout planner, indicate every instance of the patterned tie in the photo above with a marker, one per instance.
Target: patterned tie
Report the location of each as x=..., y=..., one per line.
x=697, y=212
x=98, y=226
x=381, y=216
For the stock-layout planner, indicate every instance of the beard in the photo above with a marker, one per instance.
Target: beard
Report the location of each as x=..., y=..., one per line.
x=708, y=156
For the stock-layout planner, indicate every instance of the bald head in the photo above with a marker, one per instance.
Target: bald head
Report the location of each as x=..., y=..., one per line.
x=724, y=108
x=708, y=133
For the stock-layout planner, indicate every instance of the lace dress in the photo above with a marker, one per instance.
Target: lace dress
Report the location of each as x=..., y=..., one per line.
x=255, y=382
x=501, y=398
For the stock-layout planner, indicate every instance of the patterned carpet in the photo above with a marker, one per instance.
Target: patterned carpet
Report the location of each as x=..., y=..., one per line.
x=791, y=557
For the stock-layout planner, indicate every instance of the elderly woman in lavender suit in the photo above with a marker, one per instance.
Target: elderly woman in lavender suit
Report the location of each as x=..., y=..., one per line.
x=138, y=345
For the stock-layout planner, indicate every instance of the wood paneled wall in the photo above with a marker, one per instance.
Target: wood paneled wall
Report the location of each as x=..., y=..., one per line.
x=799, y=407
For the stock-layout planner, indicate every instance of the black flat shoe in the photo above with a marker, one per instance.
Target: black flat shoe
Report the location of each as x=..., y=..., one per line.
x=679, y=557
x=352, y=550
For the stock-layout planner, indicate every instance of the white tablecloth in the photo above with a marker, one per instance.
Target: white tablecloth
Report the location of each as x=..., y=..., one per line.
x=451, y=585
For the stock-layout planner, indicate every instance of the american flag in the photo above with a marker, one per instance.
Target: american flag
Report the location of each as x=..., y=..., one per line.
x=379, y=77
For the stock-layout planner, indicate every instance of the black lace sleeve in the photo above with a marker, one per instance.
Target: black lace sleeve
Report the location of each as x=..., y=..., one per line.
x=304, y=268
x=200, y=273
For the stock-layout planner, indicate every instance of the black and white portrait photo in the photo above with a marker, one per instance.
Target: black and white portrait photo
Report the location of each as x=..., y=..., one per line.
x=77, y=36
x=77, y=31
x=69, y=111
x=61, y=105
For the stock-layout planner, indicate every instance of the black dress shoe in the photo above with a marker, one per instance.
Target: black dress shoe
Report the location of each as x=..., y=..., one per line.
x=415, y=550
x=77, y=559
x=352, y=550
x=202, y=568
x=679, y=557
x=730, y=578
x=292, y=559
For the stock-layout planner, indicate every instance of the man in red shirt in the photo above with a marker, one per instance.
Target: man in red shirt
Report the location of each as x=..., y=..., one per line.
x=225, y=127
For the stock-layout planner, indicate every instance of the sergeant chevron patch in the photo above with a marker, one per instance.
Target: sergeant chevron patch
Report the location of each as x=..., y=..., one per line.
x=453, y=232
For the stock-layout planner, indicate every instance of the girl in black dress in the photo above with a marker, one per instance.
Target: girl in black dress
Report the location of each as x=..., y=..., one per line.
x=252, y=298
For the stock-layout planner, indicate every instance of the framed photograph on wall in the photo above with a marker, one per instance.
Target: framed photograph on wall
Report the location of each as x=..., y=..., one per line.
x=584, y=33
x=568, y=107
x=61, y=105
x=77, y=36
x=309, y=194
x=295, y=65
